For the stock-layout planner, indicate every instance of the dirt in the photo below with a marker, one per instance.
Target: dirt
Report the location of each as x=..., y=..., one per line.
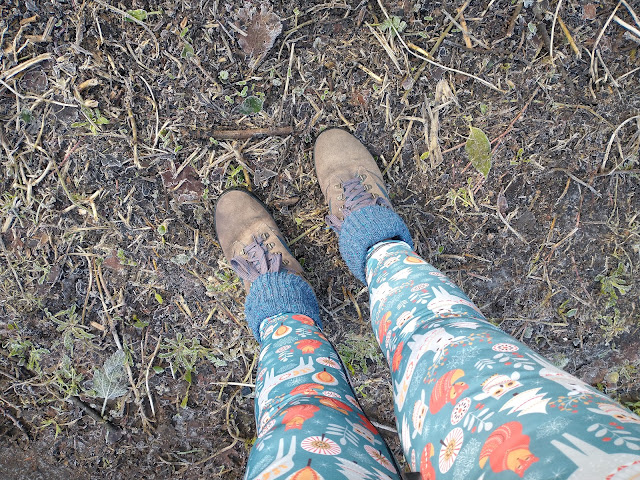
x=106, y=227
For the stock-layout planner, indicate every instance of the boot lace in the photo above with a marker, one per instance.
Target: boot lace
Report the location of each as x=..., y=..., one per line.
x=356, y=197
x=259, y=260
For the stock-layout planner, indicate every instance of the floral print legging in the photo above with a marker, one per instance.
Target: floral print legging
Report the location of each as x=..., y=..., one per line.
x=471, y=402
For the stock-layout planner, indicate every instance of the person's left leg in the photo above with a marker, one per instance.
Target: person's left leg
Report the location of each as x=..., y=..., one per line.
x=308, y=418
x=309, y=423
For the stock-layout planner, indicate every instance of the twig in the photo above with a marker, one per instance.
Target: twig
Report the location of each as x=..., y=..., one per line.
x=613, y=135
x=553, y=30
x=514, y=18
x=250, y=133
x=153, y=355
x=95, y=415
x=385, y=45
x=504, y=220
x=155, y=109
x=598, y=38
x=567, y=34
x=576, y=179
x=397, y=154
x=24, y=65
x=526, y=105
x=629, y=27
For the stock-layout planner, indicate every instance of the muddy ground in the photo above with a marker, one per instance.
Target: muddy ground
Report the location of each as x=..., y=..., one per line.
x=112, y=159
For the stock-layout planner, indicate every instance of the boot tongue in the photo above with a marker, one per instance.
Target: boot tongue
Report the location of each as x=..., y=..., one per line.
x=258, y=262
x=356, y=197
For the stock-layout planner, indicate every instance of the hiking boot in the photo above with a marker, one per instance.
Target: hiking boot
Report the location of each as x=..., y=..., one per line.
x=250, y=238
x=348, y=175
x=359, y=208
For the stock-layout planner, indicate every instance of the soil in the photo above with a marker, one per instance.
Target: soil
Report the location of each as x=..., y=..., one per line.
x=112, y=160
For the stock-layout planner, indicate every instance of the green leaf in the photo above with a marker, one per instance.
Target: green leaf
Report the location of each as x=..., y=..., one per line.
x=251, y=105
x=184, y=31
x=139, y=14
x=187, y=51
x=479, y=150
x=158, y=369
x=158, y=298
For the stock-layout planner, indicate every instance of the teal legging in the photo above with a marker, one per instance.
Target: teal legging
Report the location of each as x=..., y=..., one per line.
x=471, y=402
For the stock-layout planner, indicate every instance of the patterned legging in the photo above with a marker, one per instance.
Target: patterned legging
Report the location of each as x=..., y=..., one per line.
x=471, y=402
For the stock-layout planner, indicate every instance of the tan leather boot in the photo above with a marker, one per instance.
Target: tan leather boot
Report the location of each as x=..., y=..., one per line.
x=250, y=238
x=348, y=175
x=359, y=208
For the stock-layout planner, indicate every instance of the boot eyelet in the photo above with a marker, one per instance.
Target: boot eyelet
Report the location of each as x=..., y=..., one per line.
x=270, y=245
x=285, y=262
x=367, y=188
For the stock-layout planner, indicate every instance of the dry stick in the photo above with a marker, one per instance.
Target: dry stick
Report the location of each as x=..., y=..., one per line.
x=155, y=109
x=504, y=220
x=95, y=415
x=613, y=136
x=153, y=355
x=454, y=70
x=134, y=134
x=599, y=37
x=629, y=27
x=24, y=65
x=251, y=132
x=385, y=46
x=567, y=34
x=397, y=154
x=631, y=12
x=553, y=30
x=514, y=18
x=134, y=20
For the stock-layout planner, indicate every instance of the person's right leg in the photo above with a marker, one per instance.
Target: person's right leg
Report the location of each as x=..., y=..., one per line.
x=471, y=402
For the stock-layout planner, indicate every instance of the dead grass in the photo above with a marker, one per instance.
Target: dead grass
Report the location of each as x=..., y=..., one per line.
x=121, y=126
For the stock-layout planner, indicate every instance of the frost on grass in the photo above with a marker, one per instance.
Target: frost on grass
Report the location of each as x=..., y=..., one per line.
x=109, y=382
x=261, y=26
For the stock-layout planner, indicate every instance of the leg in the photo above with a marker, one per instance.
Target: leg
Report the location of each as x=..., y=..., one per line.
x=309, y=423
x=307, y=415
x=471, y=401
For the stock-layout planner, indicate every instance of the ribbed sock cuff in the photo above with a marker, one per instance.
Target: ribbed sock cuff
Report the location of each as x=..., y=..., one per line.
x=275, y=293
x=364, y=228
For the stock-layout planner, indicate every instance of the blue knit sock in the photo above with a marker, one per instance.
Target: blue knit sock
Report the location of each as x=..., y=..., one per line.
x=364, y=228
x=282, y=292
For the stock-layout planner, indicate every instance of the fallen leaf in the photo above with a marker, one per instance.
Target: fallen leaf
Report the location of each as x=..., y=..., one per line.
x=589, y=12
x=478, y=148
x=185, y=186
x=261, y=27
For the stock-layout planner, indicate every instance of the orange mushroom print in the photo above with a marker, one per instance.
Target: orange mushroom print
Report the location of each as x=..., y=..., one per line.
x=447, y=390
x=294, y=417
x=507, y=448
